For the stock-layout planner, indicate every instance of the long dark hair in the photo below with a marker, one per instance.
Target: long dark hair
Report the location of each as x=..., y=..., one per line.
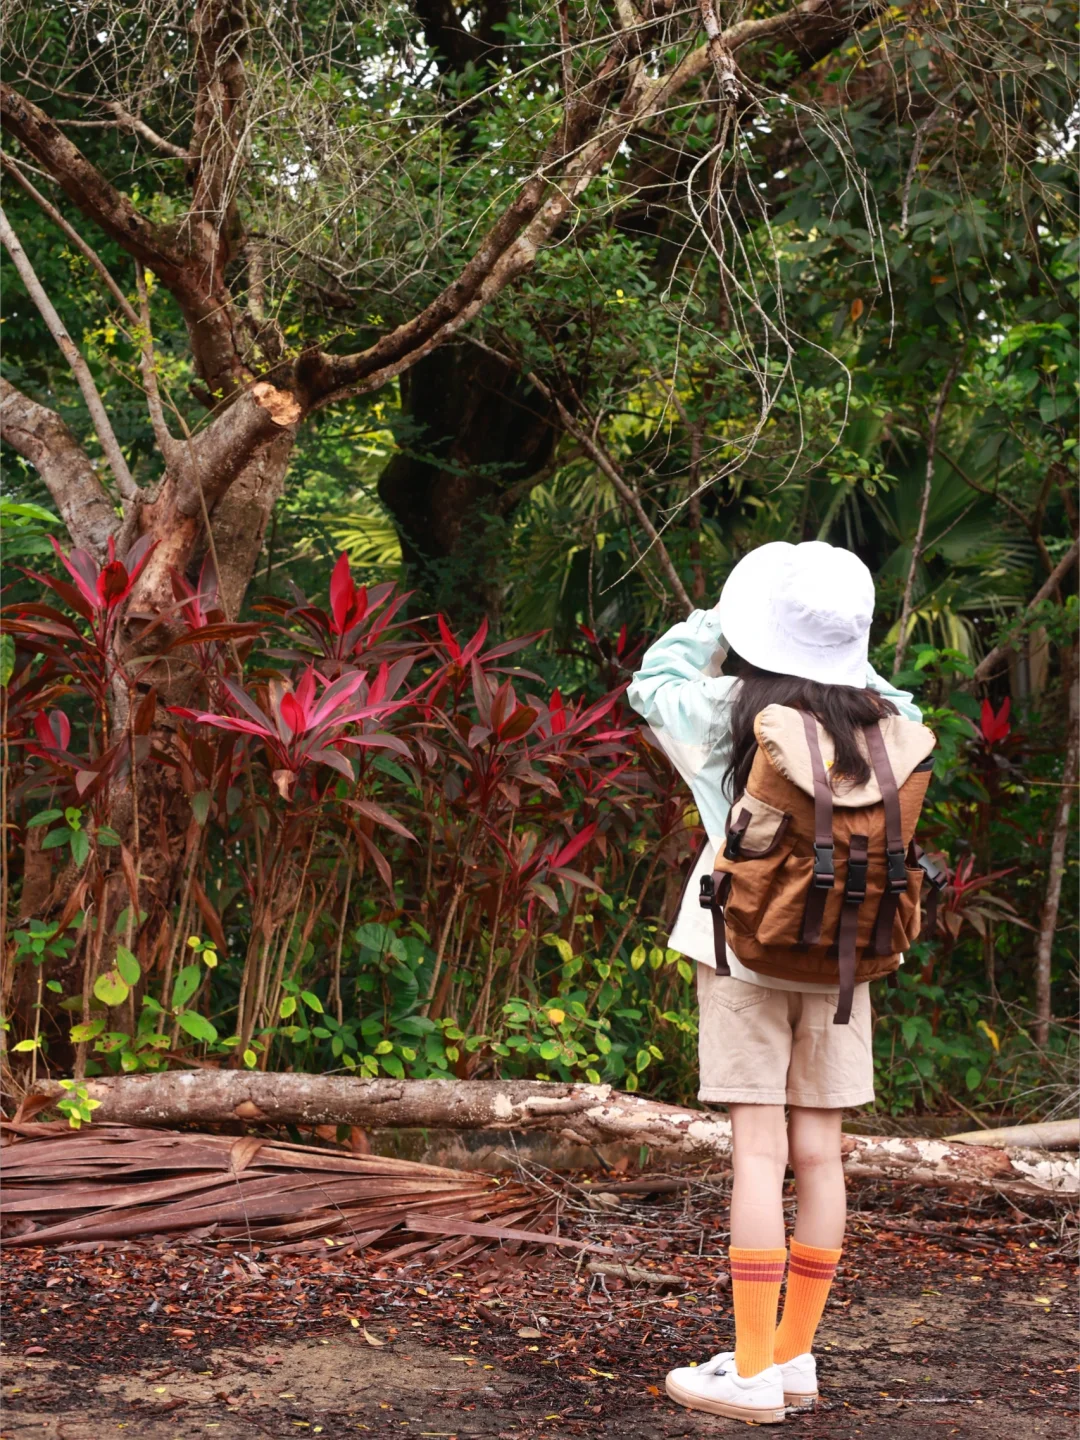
x=840, y=708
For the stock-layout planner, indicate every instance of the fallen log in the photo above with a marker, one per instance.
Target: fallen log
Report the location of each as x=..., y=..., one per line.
x=587, y=1114
x=1043, y=1135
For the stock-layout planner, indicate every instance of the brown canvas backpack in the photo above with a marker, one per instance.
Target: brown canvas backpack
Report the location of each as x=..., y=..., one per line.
x=816, y=881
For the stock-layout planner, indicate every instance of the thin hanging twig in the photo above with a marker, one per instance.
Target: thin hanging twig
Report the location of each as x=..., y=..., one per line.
x=920, y=532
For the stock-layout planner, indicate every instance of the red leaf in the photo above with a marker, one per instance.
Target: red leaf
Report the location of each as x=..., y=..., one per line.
x=575, y=846
x=473, y=647
x=381, y=862
x=519, y=723
x=558, y=713
x=292, y=712
x=448, y=638
x=83, y=570
x=53, y=731
x=112, y=583
x=342, y=593
x=380, y=816
x=503, y=706
x=995, y=727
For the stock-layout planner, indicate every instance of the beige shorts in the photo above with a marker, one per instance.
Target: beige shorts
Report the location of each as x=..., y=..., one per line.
x=780, y=1047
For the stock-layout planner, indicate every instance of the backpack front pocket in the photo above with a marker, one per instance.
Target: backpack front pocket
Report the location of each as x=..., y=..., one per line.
x=759, y=842
x=781, y=918
x=754, y=828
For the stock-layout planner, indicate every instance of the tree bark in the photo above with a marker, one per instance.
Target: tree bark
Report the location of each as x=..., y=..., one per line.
x=240, y=518
x=40, y=436
x=477, y=431
x=587, y=1114
x=1044, y=946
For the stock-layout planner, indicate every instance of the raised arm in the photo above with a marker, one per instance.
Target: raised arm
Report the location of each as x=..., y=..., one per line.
x=674, y=689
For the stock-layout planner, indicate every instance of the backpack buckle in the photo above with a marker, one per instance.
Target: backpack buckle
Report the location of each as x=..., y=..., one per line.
x=897, y=871
x=855, y=884
x=707, y=893
x=937, y=878
x=824, y=872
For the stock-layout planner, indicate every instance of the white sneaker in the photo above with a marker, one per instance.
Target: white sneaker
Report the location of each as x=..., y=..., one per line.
x=718, y=1388
x=800, y=1381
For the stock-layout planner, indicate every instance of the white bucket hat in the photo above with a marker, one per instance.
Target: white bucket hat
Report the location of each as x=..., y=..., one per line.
x=801, y=610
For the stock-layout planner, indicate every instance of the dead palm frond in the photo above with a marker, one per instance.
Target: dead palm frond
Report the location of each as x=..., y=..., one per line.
x=119, y=1182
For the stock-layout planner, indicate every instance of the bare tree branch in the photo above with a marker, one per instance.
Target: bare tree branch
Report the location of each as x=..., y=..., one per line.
x=985, y=667
x=40, y=436
x=72, y=234
x=1031, y=523
x=199, y=290
x=604, y=462
x=221, y=36
x=124, y=120
x=88, y=189
x=129, y=491
x=511, y=245
x=1044, y=944
x=219, y=453
x=171, y=449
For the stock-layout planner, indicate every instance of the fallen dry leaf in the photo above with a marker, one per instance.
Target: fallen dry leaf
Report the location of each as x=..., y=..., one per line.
x=372, y=1339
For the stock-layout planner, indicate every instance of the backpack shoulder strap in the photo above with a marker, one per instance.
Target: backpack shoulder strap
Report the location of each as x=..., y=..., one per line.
x=896, y=869
x=825, y=875
x=713, y=897
x=824, y=872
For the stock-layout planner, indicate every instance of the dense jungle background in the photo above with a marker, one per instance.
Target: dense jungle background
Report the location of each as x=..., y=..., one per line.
x=380, y=378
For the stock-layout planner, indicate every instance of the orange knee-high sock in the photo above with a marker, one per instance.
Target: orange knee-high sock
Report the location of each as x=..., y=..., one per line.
x=810, y=1276
x=755, y=1292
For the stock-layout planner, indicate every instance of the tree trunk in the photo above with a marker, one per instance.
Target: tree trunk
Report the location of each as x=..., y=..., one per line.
x=1044, y=947
x=476, y=434
x=242, y=514
x=586, y=1114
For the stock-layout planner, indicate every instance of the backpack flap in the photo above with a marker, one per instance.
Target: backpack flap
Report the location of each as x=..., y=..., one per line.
x=782, y=733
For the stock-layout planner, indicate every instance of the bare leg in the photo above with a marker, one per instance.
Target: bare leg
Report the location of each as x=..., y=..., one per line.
x=814, y=1140
x=760, y=1145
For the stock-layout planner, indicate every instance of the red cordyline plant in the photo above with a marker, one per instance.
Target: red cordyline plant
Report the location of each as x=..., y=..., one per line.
x=307, y=723
x=517, y=803
x=96, y=596
x=216, y=645
x=348, y=633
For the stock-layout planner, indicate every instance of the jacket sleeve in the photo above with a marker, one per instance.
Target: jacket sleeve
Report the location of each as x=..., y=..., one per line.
x=902, y=699
x=674, y=691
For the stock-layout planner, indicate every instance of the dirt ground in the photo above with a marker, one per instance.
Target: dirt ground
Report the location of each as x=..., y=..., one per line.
x=958, y=1326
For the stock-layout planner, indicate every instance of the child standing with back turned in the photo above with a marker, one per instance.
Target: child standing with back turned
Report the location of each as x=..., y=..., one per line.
x=791, y=631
